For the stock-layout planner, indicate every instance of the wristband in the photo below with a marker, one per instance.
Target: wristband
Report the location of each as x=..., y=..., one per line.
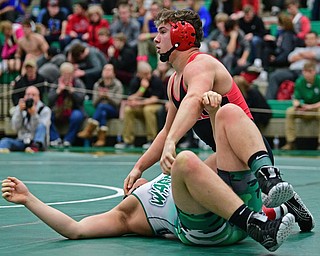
x=142, y=89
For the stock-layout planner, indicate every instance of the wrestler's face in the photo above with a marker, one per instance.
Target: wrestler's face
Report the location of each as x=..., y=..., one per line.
x=163, y=40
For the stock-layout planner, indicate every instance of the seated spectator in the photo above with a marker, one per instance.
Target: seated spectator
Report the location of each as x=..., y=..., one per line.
x=300, y=22
x=96, y=22
x=276, y=50
x=297, y=58
x=255, y=100
x=31, y=121
x=66, y=101
x=127, y=25
x=31, y=77
x=52, y=21
x=123, y=58
x=107, y=96
x=12, y=32
x=212, y=42
x=88, y=63
x=143, y=103
x=149, y=31
x=105, y=40
x=76, y=25
x=306, y=103
x=31, y=44
x=64, y=5
x=235, y=48
x=253, y=27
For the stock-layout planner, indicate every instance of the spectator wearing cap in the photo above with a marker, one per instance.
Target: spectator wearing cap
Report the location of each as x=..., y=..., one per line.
x=95, y=14
x=65, y=6
x=31, y=77
x=52, y=22
x=76, y=25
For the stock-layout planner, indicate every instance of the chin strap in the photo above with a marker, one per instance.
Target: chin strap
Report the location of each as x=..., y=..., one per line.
x=164, y=57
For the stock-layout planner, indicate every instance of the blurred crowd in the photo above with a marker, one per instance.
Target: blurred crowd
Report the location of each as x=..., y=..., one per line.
x=69, y=52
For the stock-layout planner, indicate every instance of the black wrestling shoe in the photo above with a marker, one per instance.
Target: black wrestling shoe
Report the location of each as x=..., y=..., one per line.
x=276, y=190
x=270, y=233
x=301, y=213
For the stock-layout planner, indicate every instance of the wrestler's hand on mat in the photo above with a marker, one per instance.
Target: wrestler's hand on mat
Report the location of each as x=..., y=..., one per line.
x=168, y=156
x=211, y=101
x=14, y=191
x=131, y=179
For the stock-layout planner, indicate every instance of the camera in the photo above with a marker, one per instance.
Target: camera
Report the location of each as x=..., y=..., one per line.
x=29, y=103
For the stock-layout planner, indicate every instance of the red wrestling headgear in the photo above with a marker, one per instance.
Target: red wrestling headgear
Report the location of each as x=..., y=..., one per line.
x=183, y=35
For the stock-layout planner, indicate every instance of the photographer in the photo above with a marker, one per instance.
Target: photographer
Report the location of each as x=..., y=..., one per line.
x=31, y=121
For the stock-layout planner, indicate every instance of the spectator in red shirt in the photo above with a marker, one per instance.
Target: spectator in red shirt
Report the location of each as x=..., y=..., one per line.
x=76, y=25
x=105, y=40
x=95, y=14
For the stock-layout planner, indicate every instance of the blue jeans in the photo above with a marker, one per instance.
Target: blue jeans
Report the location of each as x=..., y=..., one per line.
x=19, y=145
x=104, y=112
x=75, y=122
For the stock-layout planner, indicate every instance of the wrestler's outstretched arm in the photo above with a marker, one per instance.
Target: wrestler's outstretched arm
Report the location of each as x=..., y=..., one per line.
x=115, y=222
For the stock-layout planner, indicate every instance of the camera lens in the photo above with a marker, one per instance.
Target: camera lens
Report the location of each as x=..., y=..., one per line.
x=29, y=103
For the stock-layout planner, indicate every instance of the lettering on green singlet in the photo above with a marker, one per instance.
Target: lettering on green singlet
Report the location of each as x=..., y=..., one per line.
x=160, y=191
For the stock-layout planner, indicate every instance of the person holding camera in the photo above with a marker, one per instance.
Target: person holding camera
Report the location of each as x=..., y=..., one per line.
x=31, y=121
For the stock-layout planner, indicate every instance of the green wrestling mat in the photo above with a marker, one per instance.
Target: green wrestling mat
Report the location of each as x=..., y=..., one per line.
x=82, y=184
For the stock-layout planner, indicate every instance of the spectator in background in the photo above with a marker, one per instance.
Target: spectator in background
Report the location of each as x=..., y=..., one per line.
x=213, y=45
x=31, y=120
x=149, y=31
x=198, y=7
x=123, y=58
x=276, y=50
x=297, y=58
x=300, y=22
x=96, y=22
x=52, y=20
x=88, y=63
x=76, y=25
x=255, y=100
x=105, y=40
x=143, y=103
x=127, y=25
x=235, y=48
x=66, y=101
x=31, y=44
x=253, y=27
x=65, y=6
x=32, y=77
x=306, y=100
x=12, y=32
x=107, y=96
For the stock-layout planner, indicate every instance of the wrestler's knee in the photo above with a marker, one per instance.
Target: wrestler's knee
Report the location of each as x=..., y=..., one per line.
x=185, y=161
